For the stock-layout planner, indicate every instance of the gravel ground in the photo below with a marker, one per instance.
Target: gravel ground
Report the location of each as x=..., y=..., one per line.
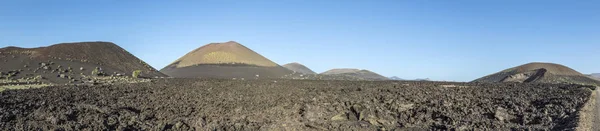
x=214, y=104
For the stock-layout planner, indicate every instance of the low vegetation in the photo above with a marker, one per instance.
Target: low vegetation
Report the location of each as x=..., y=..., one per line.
x=18, y=87
x=136, y=73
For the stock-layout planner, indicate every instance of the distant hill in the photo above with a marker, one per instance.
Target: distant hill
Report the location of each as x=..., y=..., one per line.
x=299, y=68
x=398, y=78
x=395, y=78
x=423, y=79
x=72, y=60
x=224, y=60
x=363, y=74
x=540, y=73
x=596, y=75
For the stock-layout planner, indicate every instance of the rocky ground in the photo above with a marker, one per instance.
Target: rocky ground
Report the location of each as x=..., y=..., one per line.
x=346, y=77
x=596, y=113
x=216, y=104
x=23, y=68
x=19, y=71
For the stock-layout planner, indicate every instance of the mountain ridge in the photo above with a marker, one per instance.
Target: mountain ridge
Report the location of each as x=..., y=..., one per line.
x=538, y=72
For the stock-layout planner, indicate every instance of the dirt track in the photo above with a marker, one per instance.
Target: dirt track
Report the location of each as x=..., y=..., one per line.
x=206, y=104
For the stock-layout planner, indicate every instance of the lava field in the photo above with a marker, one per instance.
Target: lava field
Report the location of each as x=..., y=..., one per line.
x=219, y=104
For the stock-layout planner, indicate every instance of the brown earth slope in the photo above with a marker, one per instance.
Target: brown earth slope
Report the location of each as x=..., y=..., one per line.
x=363, y=74
x=297, y=67
x=70, y=60
x=541, y=73
x=223, y=53
x=224, y=60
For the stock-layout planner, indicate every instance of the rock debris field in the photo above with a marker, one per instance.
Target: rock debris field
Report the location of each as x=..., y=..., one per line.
x=218, y=104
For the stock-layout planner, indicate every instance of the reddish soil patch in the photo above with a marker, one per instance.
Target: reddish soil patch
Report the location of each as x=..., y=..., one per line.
x=101, y=54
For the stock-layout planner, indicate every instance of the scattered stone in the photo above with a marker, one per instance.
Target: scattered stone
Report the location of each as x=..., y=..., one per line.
x=501, y=114
x=405, y=107
x=39, y=77
x=179, y=125
x=339, y=117
x=53, y=120
x=359, y=111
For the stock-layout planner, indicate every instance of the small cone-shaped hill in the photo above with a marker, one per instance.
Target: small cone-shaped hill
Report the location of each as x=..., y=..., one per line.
x=299, y=68
x=71, y=60
x=541, y=73
x=223, y=53
x=224, y=60
x=363, y=74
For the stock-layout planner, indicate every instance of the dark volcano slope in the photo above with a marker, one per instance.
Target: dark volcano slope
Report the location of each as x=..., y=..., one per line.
x=539, y=73
x=224, y=60
x=71, y=59
x=226, y=71
x=362, y=74
x=299, y=68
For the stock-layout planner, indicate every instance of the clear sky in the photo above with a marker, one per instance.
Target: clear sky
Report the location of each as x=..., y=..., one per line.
x=439, y=39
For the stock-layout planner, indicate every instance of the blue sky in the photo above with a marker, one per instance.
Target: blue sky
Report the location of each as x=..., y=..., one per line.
x=438, y=39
